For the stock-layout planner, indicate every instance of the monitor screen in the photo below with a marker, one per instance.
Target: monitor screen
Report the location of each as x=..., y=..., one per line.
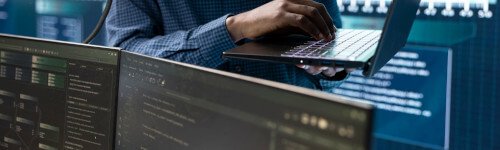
x=66, y=20
x=17, y=17
x=169, y=105
x=56, y=95
x=441, y=90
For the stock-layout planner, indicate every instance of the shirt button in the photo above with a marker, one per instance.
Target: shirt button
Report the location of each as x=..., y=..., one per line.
x=238, y=69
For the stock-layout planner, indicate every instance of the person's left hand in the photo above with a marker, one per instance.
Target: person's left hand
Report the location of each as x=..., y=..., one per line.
x=327, y=71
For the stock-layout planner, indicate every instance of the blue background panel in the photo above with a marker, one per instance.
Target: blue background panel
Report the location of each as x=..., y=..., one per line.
x=411, y=94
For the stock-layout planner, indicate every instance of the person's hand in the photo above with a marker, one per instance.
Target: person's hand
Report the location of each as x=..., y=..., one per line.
x=327, y=71
x=287, y=16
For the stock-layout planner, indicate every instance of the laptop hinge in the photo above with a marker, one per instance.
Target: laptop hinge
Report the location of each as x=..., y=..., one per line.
x=367, y=68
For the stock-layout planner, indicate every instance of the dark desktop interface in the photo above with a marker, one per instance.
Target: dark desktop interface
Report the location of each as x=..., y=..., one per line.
x=56, y=96
x=441, y=90
x=164, y=105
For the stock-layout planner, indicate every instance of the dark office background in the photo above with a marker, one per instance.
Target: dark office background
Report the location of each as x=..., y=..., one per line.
x=473, y=35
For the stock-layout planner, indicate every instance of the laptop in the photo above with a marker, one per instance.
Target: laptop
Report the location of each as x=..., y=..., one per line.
x=366, y=49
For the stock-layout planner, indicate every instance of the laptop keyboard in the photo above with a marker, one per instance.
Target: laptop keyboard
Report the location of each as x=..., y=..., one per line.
x=348, y=45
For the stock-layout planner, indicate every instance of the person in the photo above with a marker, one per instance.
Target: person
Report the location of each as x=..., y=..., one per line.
x=198, y=31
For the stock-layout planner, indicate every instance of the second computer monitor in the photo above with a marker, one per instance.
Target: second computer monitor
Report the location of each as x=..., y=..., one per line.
x=169, y=105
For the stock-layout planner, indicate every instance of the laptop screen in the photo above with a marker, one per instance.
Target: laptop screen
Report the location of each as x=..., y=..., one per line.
x=168, y=105
x=397, y=27
x=56, y=95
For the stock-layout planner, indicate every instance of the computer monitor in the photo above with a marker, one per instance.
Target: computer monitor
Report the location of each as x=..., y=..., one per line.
x=56, y=95
x=17, y=17
x=66, y=20
x=169, y=105
x=454, y=48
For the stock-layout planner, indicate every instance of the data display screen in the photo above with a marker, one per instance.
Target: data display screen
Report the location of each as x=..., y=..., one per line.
x=464, y=32
x=66, y=20
x=56, y=96
x=168, y=105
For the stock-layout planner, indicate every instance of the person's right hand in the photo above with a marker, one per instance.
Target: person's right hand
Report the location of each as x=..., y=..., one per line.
x=283, y=16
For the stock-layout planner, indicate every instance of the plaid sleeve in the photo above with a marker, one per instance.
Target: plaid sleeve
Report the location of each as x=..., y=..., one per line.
x=137, y=26
x=195, y=32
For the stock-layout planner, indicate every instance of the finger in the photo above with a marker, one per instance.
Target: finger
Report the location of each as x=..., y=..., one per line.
x=330, y=72
x=334, y=32
x=302, y=22
x=334, y=29
x=301, y=66
x=314, y=70
x=339, y=69
x=326, y=16
x=349, y=70
x=322, y=10
x=314, y=15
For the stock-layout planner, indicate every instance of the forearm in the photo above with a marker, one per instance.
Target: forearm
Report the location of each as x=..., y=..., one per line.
x=202, y=45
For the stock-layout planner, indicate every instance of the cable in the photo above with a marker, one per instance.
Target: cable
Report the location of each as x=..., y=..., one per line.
x=99, y=25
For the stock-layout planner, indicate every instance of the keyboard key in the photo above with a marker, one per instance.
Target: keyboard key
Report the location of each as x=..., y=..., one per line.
x=348, y=45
